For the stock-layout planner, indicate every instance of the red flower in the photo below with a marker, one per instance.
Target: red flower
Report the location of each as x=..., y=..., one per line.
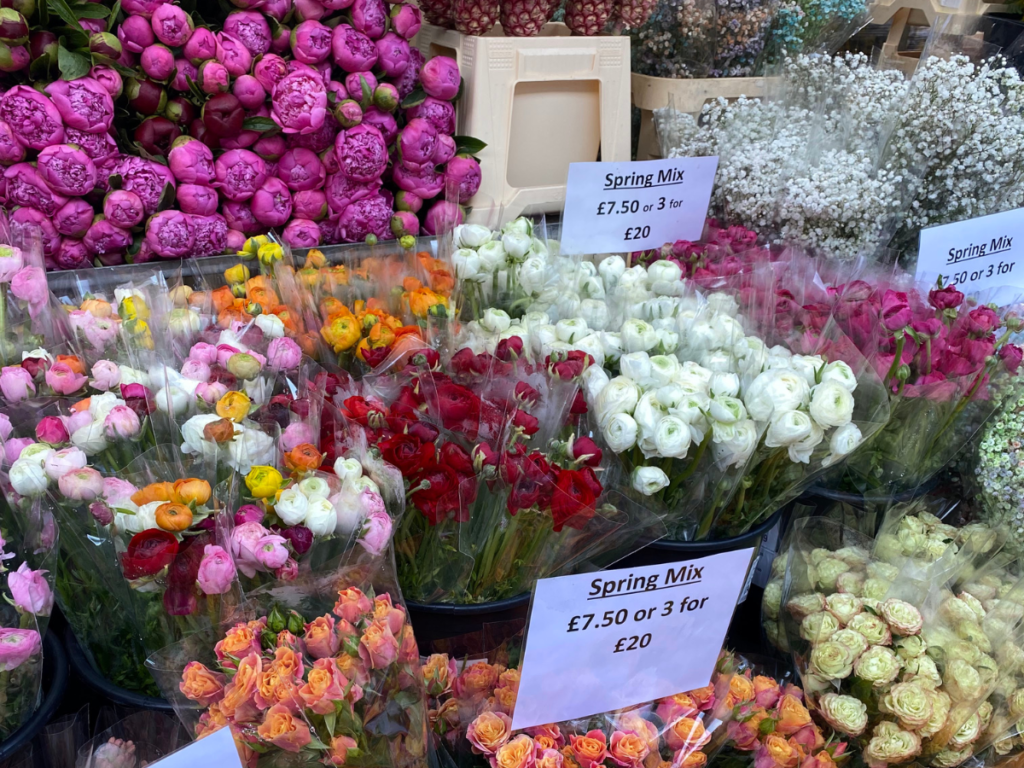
x=485, y=455
x=407, y=453
x=455, y=457
x=1011, y=354
x=571, y=366
x=426, y=358
x=945, y=298
x=458, y=406
x=408, y=398
x=579, y=404
x=426, y=432
x=982, y=321
x=896, y=312
x=466, y=361
x=526, y=394
x=148, y=553
x=374, y=356
x=441, y=499
x=509, y=349
x=369, y=413
x=573, y=501
x=585, y=447
x=36, y=366
x=525, y=422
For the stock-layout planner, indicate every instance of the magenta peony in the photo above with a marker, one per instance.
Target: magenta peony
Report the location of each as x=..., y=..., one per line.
x=104, y=237
x=442, y=217
x=233, y=54
x=197, y=199
x=171, y=25
x=311, y=42
x=74, y=218
x=33, y=118
x=301, y=169
x=67, y=170
x=239, y=174
x=170, y=234
x=251, y=29
x=25, y=186
x=362, y=153
x=123, y=208
x=301, y=233
x=462, y=178
x=370, y=17
x=352, y=50
x=135, y=34
x=83, y=104
x=440, y=78
x=364, y=218
x=191, y=161
x=309, y=204
x=211, y=234
x=145, y=178
x=300, y=103
x=272, y=203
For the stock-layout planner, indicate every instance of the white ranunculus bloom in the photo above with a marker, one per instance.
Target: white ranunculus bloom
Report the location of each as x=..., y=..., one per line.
x=831, y=404
x=776, y=390
x=692, y=408
x=318, y=488
x=291, y=506
x=259, y=390
x=144, y=519
x=364, y=483
x=637, y=366
x=664, y=271
x=612, y=343
x=36, y=452
x=807, y=366
x=541, y=339
x=648, y=413
x=133, y=376
x=728, y=330
x=668, y=341
x=28, y=478
x=594, y=380
x=517, y=245
x=649, y=480
x=467, y=264
x=718, y=361
x=184, y=320
x=620, y=432
x=348, y=510
x=495, y=320
x=251, y=447
x=101, y=405
x=592, y=288
x=568, y=304
x=591, y=344
x=193, y=439
x=843, y=441
x=638, y=335
x=173, y=401
x=736, y=447
x=727, y=410
x=663, y=369
x=751, y=355
x=659, y=308
x=540, y=248
x=594, y=313
x=521, y=226
x=471, y=236
x=788, y=427
x=801, y=452
x=571, y=329
x=92, y=438
x=722, y=303
x=672, y=437
x=492, y=257
x=725, y=384
x=670, y=395
x=532, y=319
x=620, y=395
x=271, y=325
x=321, y=517
x=610, y=269
x=841, y=374
x=533, y=275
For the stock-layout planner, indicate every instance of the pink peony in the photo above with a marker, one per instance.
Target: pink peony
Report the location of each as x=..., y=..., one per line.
x=251, y=29
x=365, y=218
x=393, y=55
x=239, y=174
x=98, y=146
x=63, y=380
x=11, y=149
x=30, y=591
x=424, y=183
x=309, y=204
x=83, y=104
x=302, y=233
x=440, y=113
x=170, y=234
x=233, y=54
x=123, y=208
x=272, y=203
x=135, y=34
x=197, y=199
x=370, y=17
x=67, y=170
x=301, y=169
x=239, y=217
x=376, y=529
x=300, y=103
x=104, y=237
x=191, y=161
x=29, y=285
x=73, y=254
x=74, y=218
x=462, y=178
x=440, y=78
x=33, y=118
x=362, y=153
x=270, y=70
x=250, y=92
x=27, y=187
x=311, y=42
x=211, y=234
x=171, y=25
x=146, y=178
x=442, y=217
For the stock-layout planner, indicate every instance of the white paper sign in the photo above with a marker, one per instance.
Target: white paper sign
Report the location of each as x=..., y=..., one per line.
x=216, y=749
x=618, y=207
x=980, y=254
x=603, y=641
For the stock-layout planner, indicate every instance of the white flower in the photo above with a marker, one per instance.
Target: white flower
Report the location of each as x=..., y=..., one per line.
x=843, y=441
x=193, y=439
x=521, y=226
x=777, y=389
x=144, y=519
x=347, y=469
x=172, y=400
x=663, y=369
x=591, y=344
x=594, y=312
x=831, y=404
x=638, y=336
x=692, y=407
x=321, y=518
x=611, y=269
x=737, y=446
x=722, y=303
x=694, y=378
x=466, y=263
x=36, y=452
x=592, y=288
x=594, y=379
x=249, y=448
x=133, y=376
x=259, y=390
x=668, y=341
x=92, y=438
x=532, y=319
x=36, y=353
x=620, y=432
x=471, y=236
x=788, y=427
x=492, y=257
x=664, y=271
x=841, y=374
x=751, y=355
x=727, y=409
x=271, y=325
x=533, y=275
x=648, y=413
x=541, y=339
x=649, y=480
x=572, y=329
x=291, y=506
x=495, y=320
x=800, y=452
x=612, y=343
x=28, y=478
x=637, y=366
x=620, y=395
x=516, y=245
x=364, y=483
x=672, y=437
x=568, y=304
x=807, y=366
x=725, y=384
x=101, y=405
x=718, y=361
x=317, y=488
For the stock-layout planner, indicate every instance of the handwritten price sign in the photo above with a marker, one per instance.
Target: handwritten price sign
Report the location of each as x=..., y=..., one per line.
x=599, y=642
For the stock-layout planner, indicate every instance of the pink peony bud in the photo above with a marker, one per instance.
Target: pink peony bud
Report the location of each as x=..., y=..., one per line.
x=144, y=8
x=311, y=42
x=407, y=201
x=30, y=591
x=16, y=383
x=272, y=203
x=366, y=218
x=309, y=10
x=405, y=223
x=239, y=174
x=424, y=182
x=109, y=78
x=360, y=86
x=72, y=254
x=270, y=147
x=104, y=237
x=385, y=97
x=170, y=234
x=122, y=423
x=104, y=46
x=440, y=78
x=83, y=104
x=352, y=50
x=444, y=150
x=362, y=153
x=30, y=219
x=462, y=178
x=301, y=233
x=213, y=77
x=442, y=217
x=197, y=199
x=406, y=20
x=184, y=70
x=440, y=113
x=171, y=25
x=239, y=216
x=74, y=218
x=27, y=187
x=67, y=170
x=301, y=169
x=211, y=234
x=135, y=34
x=201, y=46
x=191, y=161
x=282, y=42
x=300, y=103
x=251, y=29
x=235, y=241
x=249, y=92
x=270, y=70
x=309, y=204
x=383, y=122
x=34, y=119
x=370, y=17
x=233, y=54
x=157, y=62
x=417, y=143
x=393, y=54
x=123, y=208
x=348, y=113
x=216, y=571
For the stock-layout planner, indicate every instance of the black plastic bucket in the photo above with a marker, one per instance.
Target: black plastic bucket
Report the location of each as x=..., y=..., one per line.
x=55, y=683
x=440, y=621
x=84, y=670
x=860, y=511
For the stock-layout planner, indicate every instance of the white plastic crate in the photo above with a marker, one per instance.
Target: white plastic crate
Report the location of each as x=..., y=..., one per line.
x=539, y=103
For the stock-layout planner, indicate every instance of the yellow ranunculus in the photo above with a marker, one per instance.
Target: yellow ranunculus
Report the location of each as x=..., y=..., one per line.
x=263, y=482
x=251, y=247
x=134, y=308
x=234, y=406
x=269, y=253
x=236, y=274
x=341, y=332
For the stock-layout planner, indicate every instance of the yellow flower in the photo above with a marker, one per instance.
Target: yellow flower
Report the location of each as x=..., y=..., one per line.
x=341, y=332
x=134, y=308
x=252, y=246
x=140, y=330
x=269, y=253
x=315, y=258
x=236, y=274
x=234, y=406
x=263, y=482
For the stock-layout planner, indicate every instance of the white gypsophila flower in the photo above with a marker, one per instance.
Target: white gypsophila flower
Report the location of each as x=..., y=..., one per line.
x=831, y=404
x=672, y=437
x=594, y=379
x=291, y=506
x=841, y=374
x=736, y=446
x=787, y=428
x=620, y=432
x=619, y=395
x=571, y=329
x=649, y=480
x=775, y=390
x=843, y=442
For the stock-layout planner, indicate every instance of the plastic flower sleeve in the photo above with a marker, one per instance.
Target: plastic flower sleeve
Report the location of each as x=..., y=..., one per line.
x=140, y=739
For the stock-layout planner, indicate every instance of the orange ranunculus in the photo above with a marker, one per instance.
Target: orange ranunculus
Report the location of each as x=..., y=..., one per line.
x=81, y=405
x=154, y=492
x=330, y=306
x=410, y=284
x=791, y=715
x=199, y=298
x=342, y=332
x=97, y=308
x=173, y=517
x=421, y=301
x=222, y=298
x=287, y=317
x=74, y=362
x=258, y=281
x=687, y=733
x=338, y=753
x=303, y=458
x=233, y=314
x=315, y=259
x=307, y=342
x=239, y=695
x=741, y=690
x=381, y=335
x=234, y=405
x=265, y=297
x=220, y=431
x=282, y=729
x=192, y=490
x=201, y=685
x=781, y=752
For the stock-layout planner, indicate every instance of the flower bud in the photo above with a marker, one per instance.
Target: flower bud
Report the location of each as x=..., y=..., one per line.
x=405, y=223
x=67, y=170
x=156, y=134
x=442, y=217
x=213, y=77
x=393, y=55
x=14, y=28
x=301, y=233
x=440, y=78
x=249, y=92
x=105, y=45
x=270, y=70
x=170, y=234
x=233, y=54
x=239, y=174
x=282, y=42
x=296, y=624
x=348, y=113
x=360, y=86
x=201, y=46
x=123, y=208
x=385, y=97
x=251, y=29
x=171, y=25
x=180, y=110
x=101, y=513
x=272, y=203
x=352, y=50
x=11, y=150
x=370, y=17
x=234, y=240
x=13, y=59
x=311, y=42
x=270, y=147
x=276, y=620
x=329, y=157
x=223, y=115
x=244, y=366
x=406, y=20
x=146, y=97
x=109, y=78
x=74, y=218
x=462, y=178
x=407, y=201
x=135, y=34
x=157, y=62
x=184, y=70
x=309, y=10
x=417, y=142
x=43, y=42
x=191, y=161
x=72, y=254
x=444, y=150
x=384, y=122
x=103, y=237
x=310, y=204
x=239, y=217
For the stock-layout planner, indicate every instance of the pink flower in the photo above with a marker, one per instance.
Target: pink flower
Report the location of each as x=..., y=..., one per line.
x=289, y=571
x=250, y=513
x=5, y=427
x=378, y=646
x=352, y=605
x=105, y=375
x=296, y=434
x=116, y=490
x=224, y=353
x=300, y=102
x=121, y=423
x=77, y=420
x=633, y=758
x=271, y=552
x=982, y=321
x=83, y=104
x=14, y=447
x=16, y=383
x=18, y=646
x=81, y=484
x=52, y=430
x=63, y=380
x=497, y=733
x=283, y=354
x=239, y=174
x=376, y=529
x=29, y=285
x=34, y=119
x=587, y=758
x=30, y=591
x=203, y=352
x=440, y=79
x=896, y=312
x=216, y=571
x=1011, y=355
x=322, y=641
x=196, y=370
x=362, y=153
x=211, y=392
x=321, y=701
x=59, y=463
x=945, y=298
x=245, y=540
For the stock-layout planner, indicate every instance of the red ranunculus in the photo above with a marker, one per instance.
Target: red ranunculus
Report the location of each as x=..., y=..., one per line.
x=148, y=553
x=278, y=409
x=585, y=447
x=525, y=394
x=896, y=312
x=409, y=454
x=426, y=432
x=459, y=407
x=982, y=321
x=425, y=358
x=374, y=356
x=573, y=501
x=409, y=398
x=579, y=404
x=1011, y=355
x=466, y=361
x=510, y=349
x=437, y=502
x=525, y=422
x=369, y=413
x=945, y=298
x=568, y=365
x=455, y=456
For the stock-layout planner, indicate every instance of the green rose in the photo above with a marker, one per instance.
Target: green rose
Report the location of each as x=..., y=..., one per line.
x=961, y=649
x=818, y=627
x=851, y=582
x=891, y=744
x=843, y=606
x=923, y=671
x=971, y=632
x=831, y=660
x=802, y=606
x=911, y=647
x=876, y=589
x=855, y=557
x=902, y=618
x=872, y=627
x=852, y=639
x=949, y=758
x=884, y=571
x=772, y=599
x=878, y=665
x=956, y=610
x=973, y=599
x=845, y=714
x=911, y=703
x=967, y=733
x=828, y=571
x=1016, y=702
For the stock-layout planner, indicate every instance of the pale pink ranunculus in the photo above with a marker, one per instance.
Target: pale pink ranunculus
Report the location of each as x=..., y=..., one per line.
x=245, y=539
x=29, y=284
x=117, y=490
x=211, y=391
x=271, y=552
x=216, y=571
x=105, y=375
x=196, y=370
x=289, y=571
x=77, y=420
x=59, y=463
x=224, y=353
x=203, y=352
x=296, y=434
x=101, y=332
x=284, y=354
x=376, y=531
x=63, y=380
x=30, y=591
x=16, y=383
x=5, y=427
x=122, y=423
x=14, y=447
x=17, y=646
x=81, y=484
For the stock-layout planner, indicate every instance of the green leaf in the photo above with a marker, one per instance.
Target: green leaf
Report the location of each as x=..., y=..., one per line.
x=62, y=9
x=72, y=65
x=767, y=726
x=91, y=11
x=113, y=16
x=415, y=98
x=194, y=89
x=462, y=87
x=74, y=38
x=115, y=181
x=39, y=69
x=44, y=15
x=364, y=87
x=467, y=145
x=122, y=70
x=261, y=124
x=330, y=719
x=166, y=198
x=315, y=743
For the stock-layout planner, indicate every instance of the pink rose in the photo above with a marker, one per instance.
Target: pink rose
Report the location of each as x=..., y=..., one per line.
x=30, y=591
x=18, y=646
x=488, y=732
x=378, y=647
x=352, y=605
x=216, y=571
x=322, y=641
x=63, y=380
x=16, y=383
x=317, y=695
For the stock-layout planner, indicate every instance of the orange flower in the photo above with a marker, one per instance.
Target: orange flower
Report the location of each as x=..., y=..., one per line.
x=239, y=695
x=212, y=720
x=307, y=343
x=201, y=685
x=81, y=405
x=518, y=753
x=74, y=362
x=288, y=662
x=324, y=685
x=154, y=492
x=199, y=298
x=741, y=690
x=704, y=697
x=303, y=458
x=628, y=749
x=222, y=298
x=283, y=730
x=791, y=715
x=781, y=752
x=692, y=760
x=97, y=308
x=192, y=490
x=265, y=297
x=287, y=317
x=173, y=517
x=341, y=331
x=330, y=306
x=589, y=750
x=220, y=431
x=687, y=733
x=422, y=300
x=340, y=745
x=766, y=690
x=821, y=760
x=315, y=258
